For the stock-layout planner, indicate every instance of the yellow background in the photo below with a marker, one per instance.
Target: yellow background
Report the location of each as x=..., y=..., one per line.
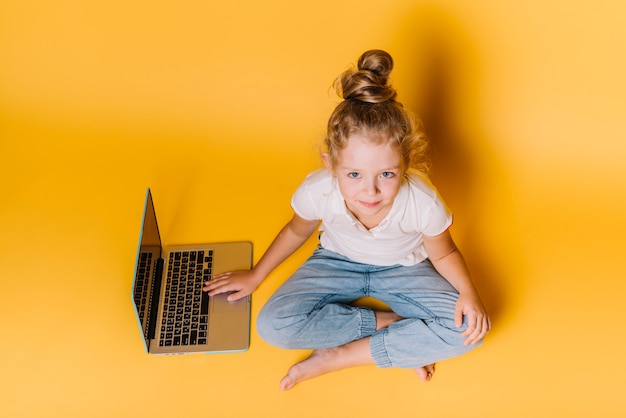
x=219, y=107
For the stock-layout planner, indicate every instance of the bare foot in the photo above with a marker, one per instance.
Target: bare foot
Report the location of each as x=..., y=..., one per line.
x=317, y=364
x=425, y=373
x=355, y=353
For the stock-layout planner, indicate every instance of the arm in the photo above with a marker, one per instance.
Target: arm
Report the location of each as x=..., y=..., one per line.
x=449, y=262
x=244, y=282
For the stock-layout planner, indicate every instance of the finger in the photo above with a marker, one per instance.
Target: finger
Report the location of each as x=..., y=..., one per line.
x=472, y=330
x=216, y=281
x=481, y=330
x=458, y=317
x=222, y=275
x=213, y=285
x=209, y=285
x=226, y=287
x=473, y=339
x=486, y=327
x=470, y=319
x=236, y=296
x=478, y=338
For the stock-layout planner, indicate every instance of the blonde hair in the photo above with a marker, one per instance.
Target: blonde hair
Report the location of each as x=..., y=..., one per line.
x=370, y=109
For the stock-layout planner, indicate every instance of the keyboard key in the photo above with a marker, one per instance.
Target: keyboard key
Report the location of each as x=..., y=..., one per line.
x=186, y=306
x=204, y=306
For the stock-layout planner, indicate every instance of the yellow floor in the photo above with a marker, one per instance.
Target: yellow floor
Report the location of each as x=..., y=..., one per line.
x=219, y=109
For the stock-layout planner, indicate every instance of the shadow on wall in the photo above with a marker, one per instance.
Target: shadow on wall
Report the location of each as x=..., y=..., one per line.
x=444, y=78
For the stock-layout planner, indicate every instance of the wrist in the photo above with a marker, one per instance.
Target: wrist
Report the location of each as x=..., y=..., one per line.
x=257, y=275
x=467, y=290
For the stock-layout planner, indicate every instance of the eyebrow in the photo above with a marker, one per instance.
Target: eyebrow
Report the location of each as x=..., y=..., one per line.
x=358, y=169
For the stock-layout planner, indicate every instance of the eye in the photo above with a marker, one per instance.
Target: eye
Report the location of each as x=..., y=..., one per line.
x=387, y=174
x=354, y=175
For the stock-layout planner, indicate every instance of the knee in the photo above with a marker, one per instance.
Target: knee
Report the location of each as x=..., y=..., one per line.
x=269, y=329
x=450, y=335
x=264, y=326
x=453, y=336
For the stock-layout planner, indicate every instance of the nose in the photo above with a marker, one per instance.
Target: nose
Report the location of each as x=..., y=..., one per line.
x=370, y=187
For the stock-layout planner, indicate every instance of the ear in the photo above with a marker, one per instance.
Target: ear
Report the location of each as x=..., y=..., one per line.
x=328, y=162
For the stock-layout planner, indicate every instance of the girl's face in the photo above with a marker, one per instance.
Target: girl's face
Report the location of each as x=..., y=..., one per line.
x=369, y=178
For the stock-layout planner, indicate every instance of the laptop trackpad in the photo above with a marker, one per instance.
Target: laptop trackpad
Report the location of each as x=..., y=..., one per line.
x=229, y=327
x=220, y=305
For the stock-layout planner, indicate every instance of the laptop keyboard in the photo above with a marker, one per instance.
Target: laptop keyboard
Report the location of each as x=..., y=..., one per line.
x=186, y=307
x=144, y=272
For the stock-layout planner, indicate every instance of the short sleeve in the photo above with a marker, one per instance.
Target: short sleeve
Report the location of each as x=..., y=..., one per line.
x=437, y=218
x=302, y=203
x=311, y=197
x=432, y=215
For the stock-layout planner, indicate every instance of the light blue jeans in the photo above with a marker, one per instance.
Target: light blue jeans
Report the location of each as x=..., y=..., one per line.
x=312, y=310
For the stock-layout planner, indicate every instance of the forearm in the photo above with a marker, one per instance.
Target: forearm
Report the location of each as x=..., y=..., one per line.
x=449, y=262
x=453, y=268
x=289, y=239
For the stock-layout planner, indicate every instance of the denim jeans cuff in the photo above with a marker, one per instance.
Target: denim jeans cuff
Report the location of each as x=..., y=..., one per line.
x=368, y=322
x=378, y=349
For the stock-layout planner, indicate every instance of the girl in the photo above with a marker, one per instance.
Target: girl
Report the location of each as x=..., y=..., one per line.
x=383, y=233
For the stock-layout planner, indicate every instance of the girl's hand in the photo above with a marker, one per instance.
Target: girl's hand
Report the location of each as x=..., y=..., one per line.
x=240, y=282
x=478, y=322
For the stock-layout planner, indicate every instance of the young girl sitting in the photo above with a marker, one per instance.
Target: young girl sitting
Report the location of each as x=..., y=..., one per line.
x=384, y=233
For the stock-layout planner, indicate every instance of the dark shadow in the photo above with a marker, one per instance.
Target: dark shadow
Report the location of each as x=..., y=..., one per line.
x=445, y=78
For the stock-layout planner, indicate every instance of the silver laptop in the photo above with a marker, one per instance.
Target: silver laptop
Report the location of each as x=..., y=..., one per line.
x=174, y=314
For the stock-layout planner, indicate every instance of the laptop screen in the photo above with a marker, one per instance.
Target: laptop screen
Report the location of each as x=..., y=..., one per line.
x=148, y=272
x=150, y=237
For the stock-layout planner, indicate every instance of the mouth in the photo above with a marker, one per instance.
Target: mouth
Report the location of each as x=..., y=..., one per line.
x=369, y=204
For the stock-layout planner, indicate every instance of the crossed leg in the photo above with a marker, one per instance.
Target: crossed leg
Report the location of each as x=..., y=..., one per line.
x=352, y=354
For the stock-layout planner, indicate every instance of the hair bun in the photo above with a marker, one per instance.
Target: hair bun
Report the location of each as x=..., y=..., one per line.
x=370, y=82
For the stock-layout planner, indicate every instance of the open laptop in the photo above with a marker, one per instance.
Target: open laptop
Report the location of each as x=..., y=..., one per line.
x=174, y=314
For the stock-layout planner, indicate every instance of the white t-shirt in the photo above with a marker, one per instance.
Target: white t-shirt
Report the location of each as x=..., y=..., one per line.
x=417, y=210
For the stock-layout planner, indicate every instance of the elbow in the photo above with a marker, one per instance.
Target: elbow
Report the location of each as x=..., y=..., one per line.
x=439, y=256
